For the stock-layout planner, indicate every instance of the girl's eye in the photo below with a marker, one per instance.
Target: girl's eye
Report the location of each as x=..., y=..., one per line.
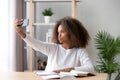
x=61, y=32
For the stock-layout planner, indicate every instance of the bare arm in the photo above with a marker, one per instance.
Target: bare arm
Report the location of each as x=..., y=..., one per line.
x=18, y=28
x=63, y=70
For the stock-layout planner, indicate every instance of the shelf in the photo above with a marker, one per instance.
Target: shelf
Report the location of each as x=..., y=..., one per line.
x=43, y=24
x=52, y=0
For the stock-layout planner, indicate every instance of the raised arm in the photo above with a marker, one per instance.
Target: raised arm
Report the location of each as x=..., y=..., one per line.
x=37, y=45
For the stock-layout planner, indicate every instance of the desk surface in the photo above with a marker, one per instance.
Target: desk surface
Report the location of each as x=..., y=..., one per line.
x=32, y=76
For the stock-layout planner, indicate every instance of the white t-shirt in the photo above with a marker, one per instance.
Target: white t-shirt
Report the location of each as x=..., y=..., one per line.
x=59, y=57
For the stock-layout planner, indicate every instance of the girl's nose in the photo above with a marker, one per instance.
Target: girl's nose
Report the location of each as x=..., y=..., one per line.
x=59, y=35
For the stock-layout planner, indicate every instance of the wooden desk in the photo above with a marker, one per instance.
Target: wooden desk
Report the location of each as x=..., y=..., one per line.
x=32, y=76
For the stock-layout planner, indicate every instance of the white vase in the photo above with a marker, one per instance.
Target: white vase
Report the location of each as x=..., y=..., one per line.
x=47, y=19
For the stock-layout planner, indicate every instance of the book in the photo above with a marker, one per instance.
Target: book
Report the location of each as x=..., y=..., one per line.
x=44, y=73
x=77, y=73
x=48, y=75
x=71, y=75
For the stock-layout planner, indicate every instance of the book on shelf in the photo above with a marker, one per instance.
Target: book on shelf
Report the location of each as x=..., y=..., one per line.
x=71, y=74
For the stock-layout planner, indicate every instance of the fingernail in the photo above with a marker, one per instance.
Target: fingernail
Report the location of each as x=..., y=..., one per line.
x=21, y=19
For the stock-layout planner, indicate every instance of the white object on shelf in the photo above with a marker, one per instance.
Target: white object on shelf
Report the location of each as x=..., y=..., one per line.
x=47, y=19
x=49, y=35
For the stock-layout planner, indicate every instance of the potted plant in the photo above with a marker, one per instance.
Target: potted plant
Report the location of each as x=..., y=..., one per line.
x=109, y=48
x=47, y=14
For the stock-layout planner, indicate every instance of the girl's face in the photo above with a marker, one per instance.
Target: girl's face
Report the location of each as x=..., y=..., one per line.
x=63, y=36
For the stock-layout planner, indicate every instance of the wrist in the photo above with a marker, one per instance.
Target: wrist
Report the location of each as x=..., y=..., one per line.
x=69, y=69
x=22, y=34
x=72, y=69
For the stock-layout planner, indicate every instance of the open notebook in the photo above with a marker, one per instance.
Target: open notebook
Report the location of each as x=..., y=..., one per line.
x=71, y=74
x=77, y=73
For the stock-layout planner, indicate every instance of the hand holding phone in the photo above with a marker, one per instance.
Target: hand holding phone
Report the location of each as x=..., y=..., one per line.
x=24, y=23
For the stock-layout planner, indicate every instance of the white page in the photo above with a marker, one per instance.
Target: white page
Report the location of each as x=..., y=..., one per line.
x=52, y=75
x=44, y=73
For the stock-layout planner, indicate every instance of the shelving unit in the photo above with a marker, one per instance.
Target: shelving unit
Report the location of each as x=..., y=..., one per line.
x=43, y=24
x=33, y=24
x=52, y=0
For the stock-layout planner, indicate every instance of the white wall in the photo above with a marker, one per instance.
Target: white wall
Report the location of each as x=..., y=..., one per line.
x=99, y=15
x=4, y=36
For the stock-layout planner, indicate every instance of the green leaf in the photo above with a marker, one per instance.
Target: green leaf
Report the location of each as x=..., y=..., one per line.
x=109, y=48
x=47, y=12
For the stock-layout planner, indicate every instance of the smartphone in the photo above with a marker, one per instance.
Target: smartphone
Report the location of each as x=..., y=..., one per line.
x=24, y=23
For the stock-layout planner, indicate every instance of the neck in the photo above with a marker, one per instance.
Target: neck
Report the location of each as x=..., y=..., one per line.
x=67, y=46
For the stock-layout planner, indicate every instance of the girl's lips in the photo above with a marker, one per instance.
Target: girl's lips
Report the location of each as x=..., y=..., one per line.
x=60, y=40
